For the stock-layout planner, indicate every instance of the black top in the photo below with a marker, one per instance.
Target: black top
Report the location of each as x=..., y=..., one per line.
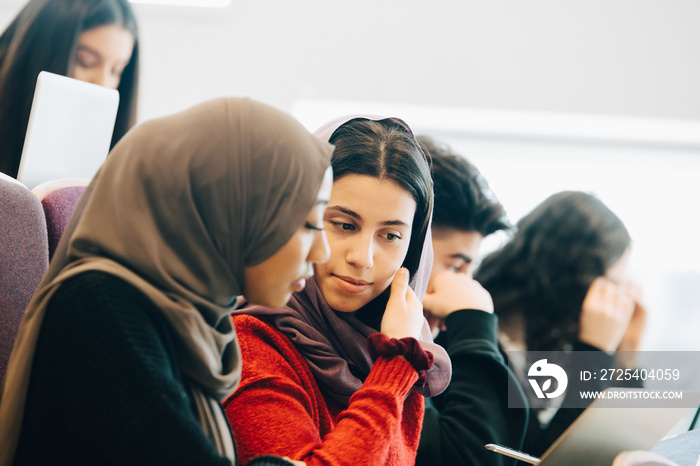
x=106, y=387
x=473, y=410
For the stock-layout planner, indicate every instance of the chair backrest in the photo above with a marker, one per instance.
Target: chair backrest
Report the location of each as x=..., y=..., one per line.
x=24, y=258
x=59, y=199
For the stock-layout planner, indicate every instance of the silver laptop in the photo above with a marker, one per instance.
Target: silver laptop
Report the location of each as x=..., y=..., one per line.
x=600, y=433
x=70, y=129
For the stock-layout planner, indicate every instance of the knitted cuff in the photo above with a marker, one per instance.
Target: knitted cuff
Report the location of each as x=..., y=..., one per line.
x=421, y=360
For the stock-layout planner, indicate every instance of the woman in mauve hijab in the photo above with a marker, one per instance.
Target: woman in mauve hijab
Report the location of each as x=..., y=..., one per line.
x=127, y=347
x=339, y=375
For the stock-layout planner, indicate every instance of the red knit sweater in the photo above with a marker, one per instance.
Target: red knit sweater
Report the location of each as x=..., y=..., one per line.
x=279, y=409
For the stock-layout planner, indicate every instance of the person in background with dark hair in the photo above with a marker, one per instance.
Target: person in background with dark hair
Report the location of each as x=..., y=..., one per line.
x=560, y=284
x=473, y=411
x=91, y=40
x=339, y=375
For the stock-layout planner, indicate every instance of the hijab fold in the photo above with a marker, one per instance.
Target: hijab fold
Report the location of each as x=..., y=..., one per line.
x=334, y=344
x=181, y=206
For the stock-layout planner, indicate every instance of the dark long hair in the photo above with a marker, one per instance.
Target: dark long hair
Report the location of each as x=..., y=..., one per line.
x=543, y=273
x=386, y=149
x=43, y=37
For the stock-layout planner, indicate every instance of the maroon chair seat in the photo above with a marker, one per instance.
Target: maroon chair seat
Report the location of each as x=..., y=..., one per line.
x=59, y=199
x=24, y=258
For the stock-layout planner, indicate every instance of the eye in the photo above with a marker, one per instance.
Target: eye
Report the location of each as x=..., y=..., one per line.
x=391, y=237
x=85, y=60
x=460, y=267
x=309, y=226
x=342, y=225
x=85, y=63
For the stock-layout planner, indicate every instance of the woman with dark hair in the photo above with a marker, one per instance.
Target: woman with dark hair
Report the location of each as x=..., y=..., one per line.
x=338, y=376
x=560, y=284
x=127, y=348
x=91, y=40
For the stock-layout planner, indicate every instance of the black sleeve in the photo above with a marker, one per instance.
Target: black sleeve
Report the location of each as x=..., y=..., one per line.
x=473, y=410
x=106, y=386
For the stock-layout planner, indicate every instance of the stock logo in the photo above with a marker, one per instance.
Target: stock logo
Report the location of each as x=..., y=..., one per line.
x=542, y=369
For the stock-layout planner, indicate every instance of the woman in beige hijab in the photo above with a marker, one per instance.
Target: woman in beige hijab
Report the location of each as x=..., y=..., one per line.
x=127, y=347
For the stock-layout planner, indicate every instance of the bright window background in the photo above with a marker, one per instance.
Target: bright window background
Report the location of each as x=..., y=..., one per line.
x=646, y=171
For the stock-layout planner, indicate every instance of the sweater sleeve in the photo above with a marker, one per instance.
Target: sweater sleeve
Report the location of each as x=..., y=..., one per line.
x=278, y=408
x=106, y=387
x=473, y=411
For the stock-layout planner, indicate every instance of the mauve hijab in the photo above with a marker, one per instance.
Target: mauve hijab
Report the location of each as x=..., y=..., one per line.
x=180, y=207
x=334, y=344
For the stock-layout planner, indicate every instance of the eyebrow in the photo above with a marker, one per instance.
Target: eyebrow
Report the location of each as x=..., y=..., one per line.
x=357, y=216
x=87, y=48
x=98, y=55
x=464, y=257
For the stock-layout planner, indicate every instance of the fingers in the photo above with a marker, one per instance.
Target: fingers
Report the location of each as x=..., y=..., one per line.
x=614, y=299
x=622, y=299
x=399, y=286
x=454, y=291
x=411, y=299
x=606, y=313
x=403, y=316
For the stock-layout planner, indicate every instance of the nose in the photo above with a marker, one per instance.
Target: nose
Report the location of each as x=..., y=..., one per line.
x=320, y=249
x=361, y=253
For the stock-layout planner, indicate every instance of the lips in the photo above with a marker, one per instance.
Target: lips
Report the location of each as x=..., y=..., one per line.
x=350, y=284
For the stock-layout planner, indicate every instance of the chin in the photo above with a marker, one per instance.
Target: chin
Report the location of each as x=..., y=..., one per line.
x=272, y=301
x=345, y=305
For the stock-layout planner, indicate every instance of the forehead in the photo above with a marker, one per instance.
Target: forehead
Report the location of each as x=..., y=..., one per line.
x=373, y=198
x=109, y=39
x=450, y=241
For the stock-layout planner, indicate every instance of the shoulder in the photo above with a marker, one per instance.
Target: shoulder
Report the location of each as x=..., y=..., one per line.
x=94, y=308
x=271, y=362
x=468, y=329
x=259, y=331
x=98, y=288
x=264, y=347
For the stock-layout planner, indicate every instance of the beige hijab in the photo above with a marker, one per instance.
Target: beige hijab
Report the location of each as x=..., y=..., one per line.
x=180, y=207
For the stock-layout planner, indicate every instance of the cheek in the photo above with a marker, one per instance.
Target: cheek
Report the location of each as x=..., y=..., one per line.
x=387, y=262
x=77, y=72
x=304, y=251
x=438, y=268
x=113, y=83
x=337, y=248
x=469, y=269
x=296, y=255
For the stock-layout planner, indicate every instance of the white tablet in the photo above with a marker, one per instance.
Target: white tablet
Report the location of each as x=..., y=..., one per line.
x=70, y=129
